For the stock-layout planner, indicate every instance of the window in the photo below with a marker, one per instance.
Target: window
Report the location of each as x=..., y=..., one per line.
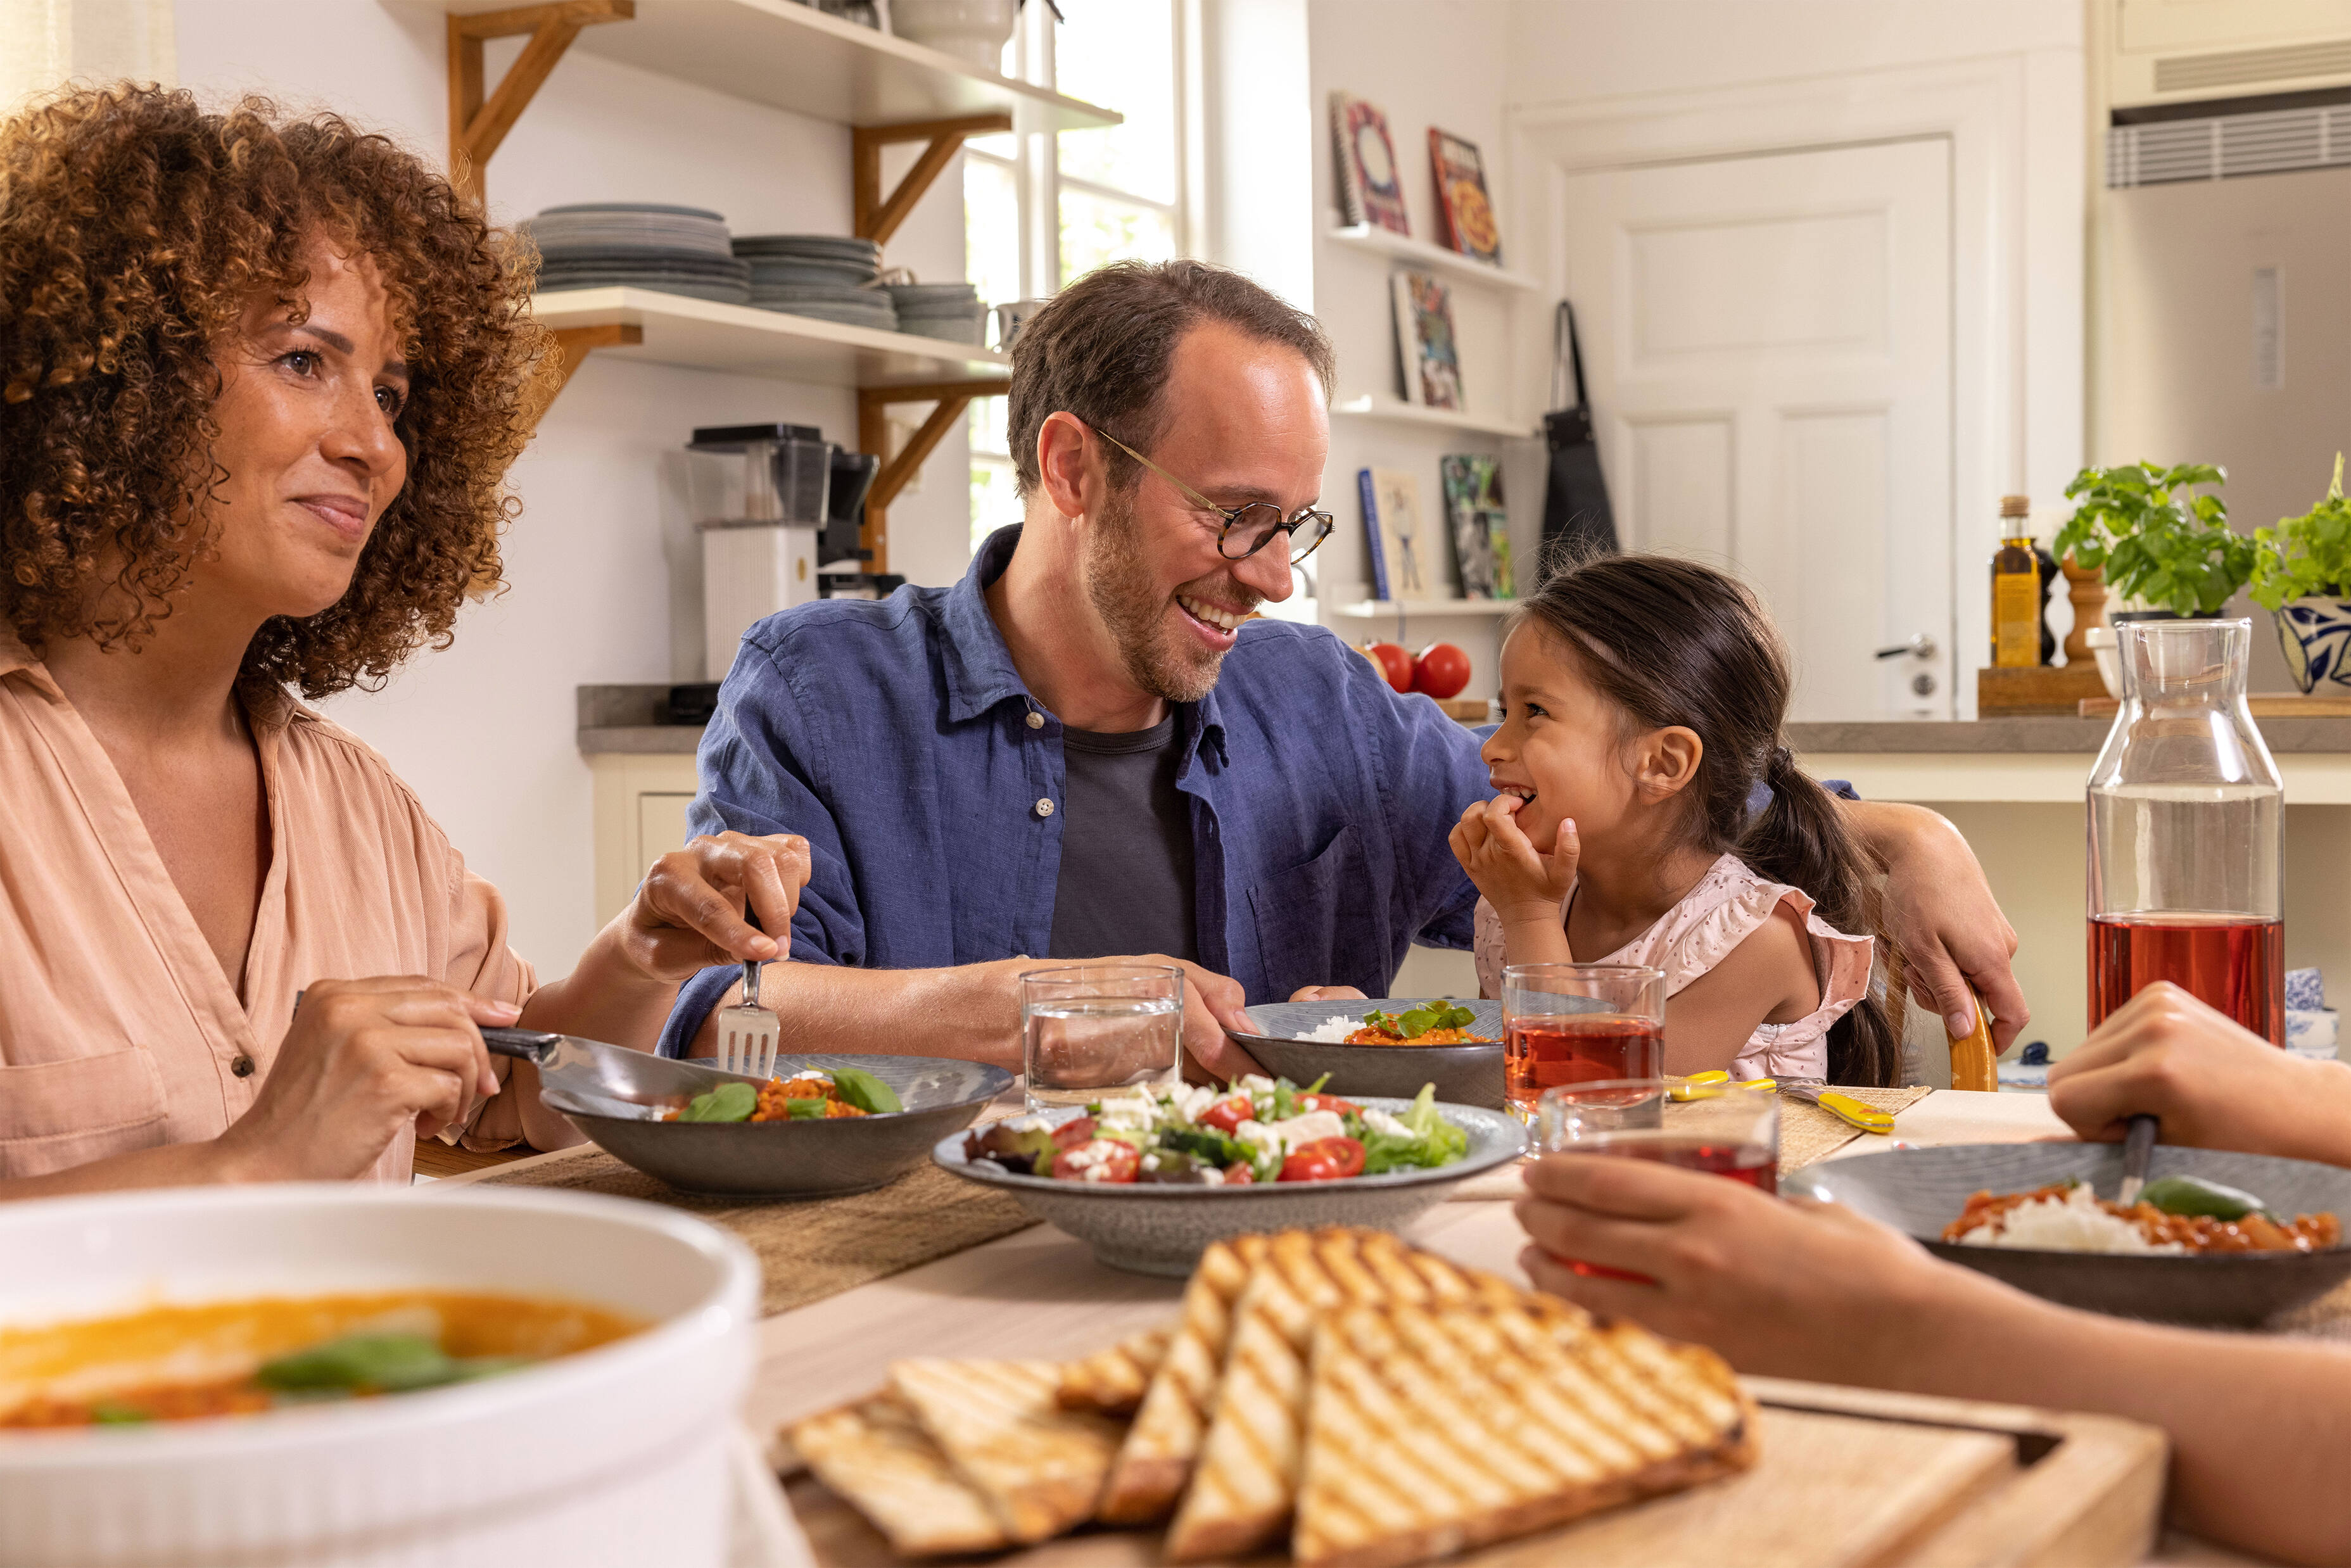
x=1111, y=194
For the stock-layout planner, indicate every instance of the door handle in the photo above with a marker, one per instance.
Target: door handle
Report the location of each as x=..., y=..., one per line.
x=1921, y=646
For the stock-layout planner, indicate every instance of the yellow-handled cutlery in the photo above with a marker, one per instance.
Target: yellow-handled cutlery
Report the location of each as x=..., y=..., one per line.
x=1865, y=1116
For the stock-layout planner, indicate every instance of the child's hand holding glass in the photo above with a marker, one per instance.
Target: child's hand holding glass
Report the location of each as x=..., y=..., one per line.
x=1527, y=888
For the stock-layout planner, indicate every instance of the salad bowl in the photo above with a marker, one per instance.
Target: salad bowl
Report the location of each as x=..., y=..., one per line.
x=784, y=1159
x=1162, y=1229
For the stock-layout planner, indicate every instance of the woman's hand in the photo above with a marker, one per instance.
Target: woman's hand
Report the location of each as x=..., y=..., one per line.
x=2215, y=1085
x=1941, y=915
x=689, y=912
x=363, y=1059
x=1524, y=887
x=1784, y=1288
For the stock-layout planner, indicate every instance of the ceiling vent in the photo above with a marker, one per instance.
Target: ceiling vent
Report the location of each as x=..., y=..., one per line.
x=2227, y=147
x=2251, y=68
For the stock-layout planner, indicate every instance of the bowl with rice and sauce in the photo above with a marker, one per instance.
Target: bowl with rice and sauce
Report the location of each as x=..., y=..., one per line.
x=1305, y=1041
x=2218, y=1239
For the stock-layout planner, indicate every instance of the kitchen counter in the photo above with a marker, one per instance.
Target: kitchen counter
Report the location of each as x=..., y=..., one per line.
x=2034, y=736
x=628, y=721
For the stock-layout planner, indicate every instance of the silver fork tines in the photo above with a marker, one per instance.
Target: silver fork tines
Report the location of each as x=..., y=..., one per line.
x=747, y=1032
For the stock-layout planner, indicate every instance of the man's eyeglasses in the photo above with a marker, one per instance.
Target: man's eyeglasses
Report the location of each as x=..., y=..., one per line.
x=1248, y=530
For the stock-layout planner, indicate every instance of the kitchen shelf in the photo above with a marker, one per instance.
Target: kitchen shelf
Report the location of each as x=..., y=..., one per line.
x=704, y=334
x=1375, y=609
x=794, y=56
x=1420, y=253
x=1398, y=411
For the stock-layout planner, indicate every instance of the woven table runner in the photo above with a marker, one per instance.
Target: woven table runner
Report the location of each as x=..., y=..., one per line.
x=809, y=1249
x=1807, y=1134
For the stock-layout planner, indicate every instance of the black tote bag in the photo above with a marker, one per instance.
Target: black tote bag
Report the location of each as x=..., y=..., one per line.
x=1576, y=499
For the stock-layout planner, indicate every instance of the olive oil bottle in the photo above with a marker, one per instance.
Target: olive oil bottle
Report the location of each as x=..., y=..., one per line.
x=2015, y=591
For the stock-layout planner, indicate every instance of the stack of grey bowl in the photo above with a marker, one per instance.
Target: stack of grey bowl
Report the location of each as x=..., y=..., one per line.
x=639, y=244
x=829, y=276
x=949, y=312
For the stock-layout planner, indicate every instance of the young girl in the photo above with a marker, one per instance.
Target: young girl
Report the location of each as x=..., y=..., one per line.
x=1641, y=701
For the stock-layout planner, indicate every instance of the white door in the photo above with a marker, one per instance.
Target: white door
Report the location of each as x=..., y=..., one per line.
x=1768, y=344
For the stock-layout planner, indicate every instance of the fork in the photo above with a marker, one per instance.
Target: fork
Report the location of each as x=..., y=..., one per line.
x=747, y=1032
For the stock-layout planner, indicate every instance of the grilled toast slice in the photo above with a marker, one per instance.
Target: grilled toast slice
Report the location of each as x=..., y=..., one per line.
x=1246, y=1482
x=1040, y=1467
x=875, y=1456
x=1156, y=1461
x=1432, y=1429
x=1112, y=1381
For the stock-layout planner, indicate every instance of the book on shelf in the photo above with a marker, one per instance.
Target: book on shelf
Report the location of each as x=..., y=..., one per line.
x=1415, y=559
x=1481, y=526
x=1465, y=209
x=1371, y=550
x=1431, y=366
x=1365, y=165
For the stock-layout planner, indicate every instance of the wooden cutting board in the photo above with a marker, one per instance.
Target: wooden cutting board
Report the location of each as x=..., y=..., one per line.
x=1849, y=1478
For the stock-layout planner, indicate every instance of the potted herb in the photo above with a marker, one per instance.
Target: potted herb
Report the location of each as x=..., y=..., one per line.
x=2166, y=551
x=2301, y=575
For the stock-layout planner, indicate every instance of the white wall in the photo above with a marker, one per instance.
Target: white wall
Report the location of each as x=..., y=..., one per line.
x=604, y=570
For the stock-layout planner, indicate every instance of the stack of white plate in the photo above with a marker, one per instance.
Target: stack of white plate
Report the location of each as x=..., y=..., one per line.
x=829, y=276
x=639, y=244
x=951, y=311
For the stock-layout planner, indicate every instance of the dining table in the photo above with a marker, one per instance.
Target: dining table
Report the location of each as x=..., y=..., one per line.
x=1038, y=1293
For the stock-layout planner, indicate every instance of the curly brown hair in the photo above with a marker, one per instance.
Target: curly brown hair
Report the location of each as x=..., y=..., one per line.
x=136, y=229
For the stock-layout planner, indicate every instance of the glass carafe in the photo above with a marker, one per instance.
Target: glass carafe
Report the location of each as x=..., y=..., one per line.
x=2187, y=831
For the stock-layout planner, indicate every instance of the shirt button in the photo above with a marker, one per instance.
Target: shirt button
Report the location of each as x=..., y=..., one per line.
x=1036, y=719
x=242, y=1067
x=1044, y=808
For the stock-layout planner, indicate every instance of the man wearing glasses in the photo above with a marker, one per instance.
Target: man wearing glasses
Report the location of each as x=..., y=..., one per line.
x=1076, y=752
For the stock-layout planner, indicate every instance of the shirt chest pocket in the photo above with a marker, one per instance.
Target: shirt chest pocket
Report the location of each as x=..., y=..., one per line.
x=57, y=1114
x=1298, y=917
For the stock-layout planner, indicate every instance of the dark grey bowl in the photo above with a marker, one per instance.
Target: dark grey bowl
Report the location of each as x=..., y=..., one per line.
x=1464, y=1074
x=1152, y=1229
x=795, y=1159
x=1922, y=1190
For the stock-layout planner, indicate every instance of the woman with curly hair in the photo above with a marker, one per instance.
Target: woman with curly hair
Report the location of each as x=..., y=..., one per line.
x=260, y=382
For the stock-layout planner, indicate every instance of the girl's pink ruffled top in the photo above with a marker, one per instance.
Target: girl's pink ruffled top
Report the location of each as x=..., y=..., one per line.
x=1730, y=903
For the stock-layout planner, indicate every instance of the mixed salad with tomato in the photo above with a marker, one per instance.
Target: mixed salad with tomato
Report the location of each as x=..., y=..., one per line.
x=1258, y=1130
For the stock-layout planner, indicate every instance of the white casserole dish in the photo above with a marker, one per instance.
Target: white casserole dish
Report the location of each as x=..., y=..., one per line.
x=614, y=1456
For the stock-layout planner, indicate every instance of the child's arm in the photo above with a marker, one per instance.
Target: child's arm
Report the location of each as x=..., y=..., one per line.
x=1767, y=979
x=1528, y=891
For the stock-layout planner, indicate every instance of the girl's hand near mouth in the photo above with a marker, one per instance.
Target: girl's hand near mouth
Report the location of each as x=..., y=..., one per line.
x=1529, y=890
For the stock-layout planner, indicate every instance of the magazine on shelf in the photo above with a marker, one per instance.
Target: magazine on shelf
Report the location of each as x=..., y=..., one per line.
x=1465, y=209
x=1371, y=550
x=1481, y=527
x=1424, y=350
x=1365, y=165
x=1414, y=557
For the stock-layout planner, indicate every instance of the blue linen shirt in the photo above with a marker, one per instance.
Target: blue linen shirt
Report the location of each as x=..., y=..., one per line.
x=900, y=741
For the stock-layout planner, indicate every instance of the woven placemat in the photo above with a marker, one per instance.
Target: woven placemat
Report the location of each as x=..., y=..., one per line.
x=1807, y=1134
x=813, y=1247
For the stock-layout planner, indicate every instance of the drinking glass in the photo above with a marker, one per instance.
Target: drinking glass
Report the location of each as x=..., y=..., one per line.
x=1088, y=1030
x=1730, y=1130
x=2187, y=831
x=1578, y=1024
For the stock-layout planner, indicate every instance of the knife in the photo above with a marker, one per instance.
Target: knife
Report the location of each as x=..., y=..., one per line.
x=2138, y=1148
x=1865, y=1116
x=592, y=1067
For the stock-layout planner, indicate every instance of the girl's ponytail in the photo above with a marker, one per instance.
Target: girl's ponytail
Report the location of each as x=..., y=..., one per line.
x=1800, y=839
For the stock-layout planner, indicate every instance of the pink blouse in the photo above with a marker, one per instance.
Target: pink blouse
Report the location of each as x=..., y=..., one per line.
x=118, y=1029
x=1728, y=904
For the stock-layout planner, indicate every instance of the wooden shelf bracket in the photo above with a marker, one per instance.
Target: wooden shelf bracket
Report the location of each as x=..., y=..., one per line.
x=874, y=435
x=573, y=345
x=878, y=216
x=478, y=123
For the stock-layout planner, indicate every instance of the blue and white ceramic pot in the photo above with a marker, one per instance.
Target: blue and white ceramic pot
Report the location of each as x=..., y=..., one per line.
x=2315, y=634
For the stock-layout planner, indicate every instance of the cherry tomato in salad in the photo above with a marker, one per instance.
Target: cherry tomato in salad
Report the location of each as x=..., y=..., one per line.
x=1228, y=1114
x=1324, y=1159
x=1329, y=1103
x=1073, y=1133
x=1239, y=1174
x=1099, y=1160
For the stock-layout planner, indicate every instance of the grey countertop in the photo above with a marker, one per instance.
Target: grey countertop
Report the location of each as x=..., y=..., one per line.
x=629, y=719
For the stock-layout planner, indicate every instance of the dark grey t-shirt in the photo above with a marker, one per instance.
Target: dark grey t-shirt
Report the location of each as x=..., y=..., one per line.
x=1125, y=884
